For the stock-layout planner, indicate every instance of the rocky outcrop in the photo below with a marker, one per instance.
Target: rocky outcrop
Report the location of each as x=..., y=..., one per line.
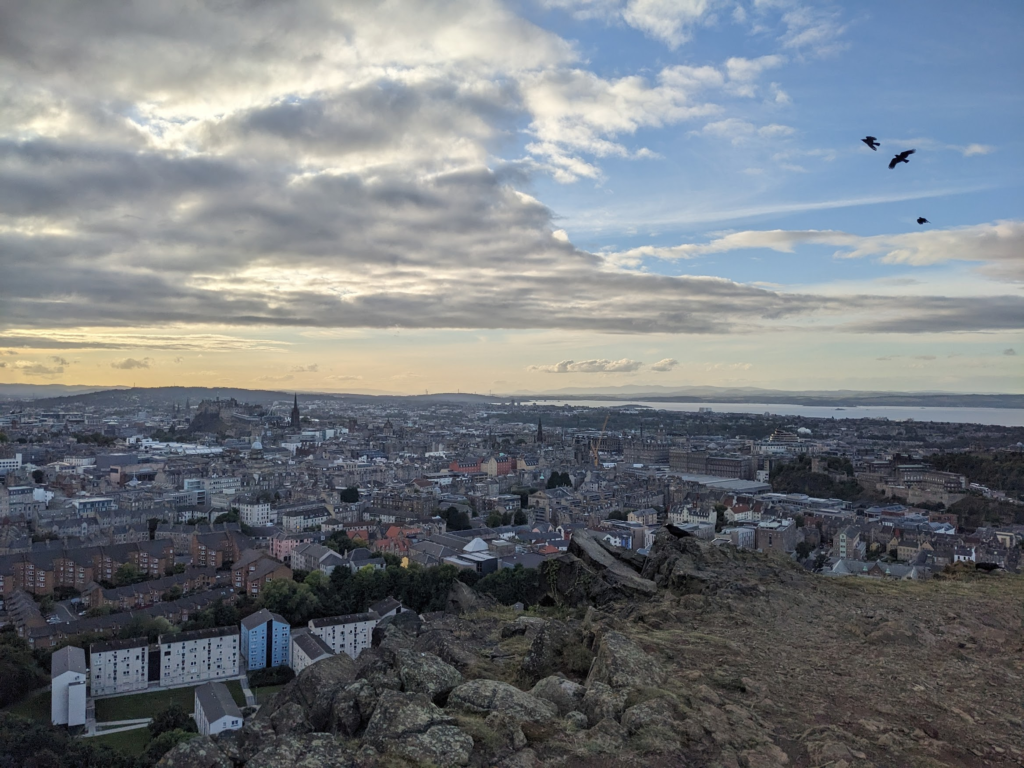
x=314, y=690
x=422, y=672
x=462, y=599
x=622, y=663
x=494, y=696
x=566, y=695
x=200, y=752
x=591, y=574
x=411, y=726
x=311, y=750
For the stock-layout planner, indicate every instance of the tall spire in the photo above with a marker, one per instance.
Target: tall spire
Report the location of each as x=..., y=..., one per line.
x=295, y=412
x=540, y=431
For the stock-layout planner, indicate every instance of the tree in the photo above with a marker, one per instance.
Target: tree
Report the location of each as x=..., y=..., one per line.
x=617, y=514
x=559, y=480
x=228, y=517
x=803, y=550
x=296, y=602
x=455, y=520
x=18, y=669
x=127, y=574
x=520, y=518
x=173, y=718
x=164, y=743
x=38, y=476
x=494, y=520
x=349, y=495
x=513, y=585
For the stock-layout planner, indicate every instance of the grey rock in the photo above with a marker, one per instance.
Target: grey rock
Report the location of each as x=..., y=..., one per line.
x=311, y=750
x=602, y=702
x=462, y=600
x=314, y=690
x=422, y=672
x=620, y=663
x=544, y=656
x=576, y=721
x=352, y=708
x=290, y=720
x=242, y=744
x=560, y=691
x=200, y=752
x=508, y=727
x=409, y=725
x=659, y=712
x=491, y=695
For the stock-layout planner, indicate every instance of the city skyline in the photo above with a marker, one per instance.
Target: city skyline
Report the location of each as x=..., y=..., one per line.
x=512, y=197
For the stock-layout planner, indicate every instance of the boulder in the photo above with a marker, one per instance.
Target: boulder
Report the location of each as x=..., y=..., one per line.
x=240, y=745
x=658, y=712
x=311, y=750
x=200, y=752
x=409, y=725
x=314, y=690
x=377, y=667
x=544, y=656
x=508, y=728
x=617, y=567
x=621, y=663
x=602, y=702
x=563, y=693
x=576, y=721
x=426, y=673
x=352, y=708
x=290, y=720
x=492, y=695
x=449, y=648
x=463, y=599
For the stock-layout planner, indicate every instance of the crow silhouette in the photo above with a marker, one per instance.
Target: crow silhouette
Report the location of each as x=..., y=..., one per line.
x=902, y=157
x=922, y=220
x=872, y=142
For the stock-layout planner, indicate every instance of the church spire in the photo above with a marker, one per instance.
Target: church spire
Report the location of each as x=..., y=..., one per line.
x=295, y=412
x=540, y=431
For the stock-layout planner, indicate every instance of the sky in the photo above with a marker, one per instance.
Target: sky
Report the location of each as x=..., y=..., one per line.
x=505, y=197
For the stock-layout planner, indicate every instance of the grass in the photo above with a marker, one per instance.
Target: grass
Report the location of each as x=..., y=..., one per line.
x=264, y=693
x=148, y=704
x=131, y=742
x=35, y=706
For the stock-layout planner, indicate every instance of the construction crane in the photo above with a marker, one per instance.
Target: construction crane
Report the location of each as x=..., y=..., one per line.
x=595, y=448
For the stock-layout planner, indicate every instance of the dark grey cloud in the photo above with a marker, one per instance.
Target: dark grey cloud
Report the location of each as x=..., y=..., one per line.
x=1010, y=352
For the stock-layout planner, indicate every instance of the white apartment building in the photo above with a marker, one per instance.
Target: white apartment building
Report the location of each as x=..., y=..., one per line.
x=68, y=673
x=256, y=514
x=346, y=634
x=10, y=465
x=198, y=656
x=307, y=649
x=215, y=709
x=119, y=666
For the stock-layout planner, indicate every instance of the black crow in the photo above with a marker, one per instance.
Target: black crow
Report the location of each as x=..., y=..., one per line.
x=901, y=158
x=922, y=220
x=872, y=142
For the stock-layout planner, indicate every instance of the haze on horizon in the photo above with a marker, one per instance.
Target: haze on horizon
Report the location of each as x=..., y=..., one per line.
x=512, y=196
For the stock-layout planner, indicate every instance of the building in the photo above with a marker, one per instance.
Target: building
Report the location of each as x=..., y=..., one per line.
x=296, y=420
x=265, y=640
x=846, y=544
x=68, y=673
x=346, y=634
x=256, y=513
x=198, y=656
x=307, y=649
x=778, y=535
x=215, y=710
x=255, y=569
x=119, y=666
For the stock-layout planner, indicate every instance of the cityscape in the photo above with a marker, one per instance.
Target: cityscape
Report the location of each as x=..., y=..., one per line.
x=511, y=384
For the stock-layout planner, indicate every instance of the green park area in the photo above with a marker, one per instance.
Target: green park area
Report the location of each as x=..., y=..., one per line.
x=131, y=742
x=149, y=704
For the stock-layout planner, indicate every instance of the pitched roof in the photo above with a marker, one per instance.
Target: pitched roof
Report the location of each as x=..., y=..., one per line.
x=216, y=701
x=67, y=659
x=261, y=616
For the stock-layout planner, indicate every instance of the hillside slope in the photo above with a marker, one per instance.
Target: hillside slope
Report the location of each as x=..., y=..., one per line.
x=695, y=656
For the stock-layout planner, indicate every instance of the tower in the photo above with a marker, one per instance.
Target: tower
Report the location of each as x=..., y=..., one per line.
x=295, y=413
x=540, y=431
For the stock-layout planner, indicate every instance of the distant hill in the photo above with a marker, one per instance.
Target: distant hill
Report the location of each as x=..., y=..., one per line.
x=37, y=391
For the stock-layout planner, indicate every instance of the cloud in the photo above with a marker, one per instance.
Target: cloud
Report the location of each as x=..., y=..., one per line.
x=305, y=368
x=742, y=131
x=1010, y=352
x=342, y=377
x=997, y=246
x=59, y=360
x=669, y=21
x=285, y=377
x=30, y=368
x=130, y=363
x=664, y=365
x=3, y=363
x=590, y=366
x=977, y=149
x=179, y=359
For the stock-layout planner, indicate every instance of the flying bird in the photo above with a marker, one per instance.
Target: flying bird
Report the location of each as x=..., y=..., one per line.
x=922, y=220
x=872, y=142
x=902, y=157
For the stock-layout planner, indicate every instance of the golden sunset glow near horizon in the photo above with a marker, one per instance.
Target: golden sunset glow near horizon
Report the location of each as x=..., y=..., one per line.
x=511, y=197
